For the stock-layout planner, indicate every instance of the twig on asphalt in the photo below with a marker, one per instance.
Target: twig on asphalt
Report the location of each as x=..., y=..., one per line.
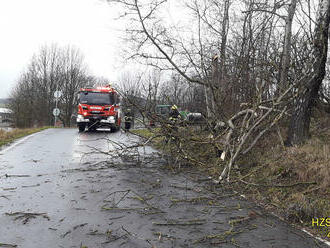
x=115, y=204
x=7, y=245
x=9, y=188
x=181, y=223
x=81, y=225
x=144, y=200
x=96, y=233
x=157, y=211
x=116, y=218
x=162, y=235
x=122, y=198
x=136, y=236
x=27, y=216
x=192, y=200
x=30, y=186
x=63, y=235
x=115, y=192
x=180, y=187
x=6, y=175
x=120, y=209
x=5, y=196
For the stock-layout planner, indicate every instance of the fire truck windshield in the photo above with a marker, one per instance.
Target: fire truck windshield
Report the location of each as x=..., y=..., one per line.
x=96, y=98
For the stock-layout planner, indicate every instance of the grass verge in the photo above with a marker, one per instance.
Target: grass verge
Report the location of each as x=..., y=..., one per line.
x=6, y=137
x=293, y=182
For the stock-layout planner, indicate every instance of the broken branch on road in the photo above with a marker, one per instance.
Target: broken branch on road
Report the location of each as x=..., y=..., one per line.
x=7, y=175
x=192, y=200
x=7, y=245
x=4, y=196
x=120, y=209
x=181, y=223
x=31, y=186
x=136, y=236
x=63, y=235
x=81, y=225
x=27, y=216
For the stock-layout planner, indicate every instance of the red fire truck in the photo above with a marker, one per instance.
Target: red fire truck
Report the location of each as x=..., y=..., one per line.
x=98, y=107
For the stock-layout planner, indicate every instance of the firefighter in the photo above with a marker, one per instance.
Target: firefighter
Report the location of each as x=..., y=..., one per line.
x=128, y=119
x=174, y=114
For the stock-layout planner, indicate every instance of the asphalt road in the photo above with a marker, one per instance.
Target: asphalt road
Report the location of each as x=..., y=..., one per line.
x=59, y=189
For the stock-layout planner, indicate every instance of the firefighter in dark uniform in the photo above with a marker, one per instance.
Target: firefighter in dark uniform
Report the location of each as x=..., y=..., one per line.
x=174, y=114
x=128, y=119
x=172, y=135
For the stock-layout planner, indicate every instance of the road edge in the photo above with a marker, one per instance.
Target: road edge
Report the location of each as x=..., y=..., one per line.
x=18, y=140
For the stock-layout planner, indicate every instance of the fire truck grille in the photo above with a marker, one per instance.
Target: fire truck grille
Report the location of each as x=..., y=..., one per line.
x=97, y=117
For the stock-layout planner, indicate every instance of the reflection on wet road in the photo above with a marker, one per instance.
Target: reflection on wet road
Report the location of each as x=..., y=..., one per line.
x=58, y=188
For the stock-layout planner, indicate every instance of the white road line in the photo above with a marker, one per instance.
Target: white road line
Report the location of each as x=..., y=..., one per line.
x=304, y=230
x=318, y=238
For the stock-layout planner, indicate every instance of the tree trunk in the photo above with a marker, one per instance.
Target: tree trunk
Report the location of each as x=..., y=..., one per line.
x=215, y=87
x=285, y=63
x=298, y=130
x=224, y=33
x=207, y=102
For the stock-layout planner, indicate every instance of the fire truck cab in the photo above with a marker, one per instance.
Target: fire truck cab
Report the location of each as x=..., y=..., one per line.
x=98, y=107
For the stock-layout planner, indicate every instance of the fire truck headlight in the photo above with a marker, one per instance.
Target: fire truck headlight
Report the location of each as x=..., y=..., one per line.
x=85, y=113
x=111, y=119
x=79, y=118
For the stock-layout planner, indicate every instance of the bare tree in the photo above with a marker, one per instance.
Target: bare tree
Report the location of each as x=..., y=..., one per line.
x=310, y=85
x=74, y=77
x=240, y=65
x=52, y=68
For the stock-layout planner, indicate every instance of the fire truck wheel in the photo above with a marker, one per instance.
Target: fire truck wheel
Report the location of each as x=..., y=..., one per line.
x=113, y=129
x=81, y=127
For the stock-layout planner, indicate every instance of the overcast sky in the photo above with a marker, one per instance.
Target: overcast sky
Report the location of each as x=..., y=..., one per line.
x=25, y=25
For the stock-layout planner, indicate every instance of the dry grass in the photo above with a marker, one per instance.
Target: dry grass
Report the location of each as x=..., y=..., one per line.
x=10, y=136
x=280, y=165
x=312, y=161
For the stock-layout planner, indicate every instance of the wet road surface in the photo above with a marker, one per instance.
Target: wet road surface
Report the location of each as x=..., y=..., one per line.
x=56, y=191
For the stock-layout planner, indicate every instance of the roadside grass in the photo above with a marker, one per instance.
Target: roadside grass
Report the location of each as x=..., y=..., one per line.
x=293, y=182
x=7, y=137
